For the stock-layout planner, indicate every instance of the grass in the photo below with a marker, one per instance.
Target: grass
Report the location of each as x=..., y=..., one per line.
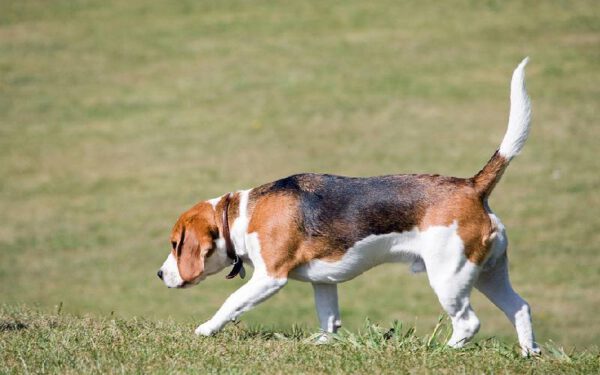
x=116, y=116
x=59, y=343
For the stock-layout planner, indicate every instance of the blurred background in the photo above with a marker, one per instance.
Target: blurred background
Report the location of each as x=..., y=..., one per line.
x=115, y=116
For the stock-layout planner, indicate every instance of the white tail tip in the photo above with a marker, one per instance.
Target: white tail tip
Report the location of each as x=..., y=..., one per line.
x=520, y=114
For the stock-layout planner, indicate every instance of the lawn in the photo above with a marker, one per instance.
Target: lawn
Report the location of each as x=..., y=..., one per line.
x=115, y=116
x=59, y=343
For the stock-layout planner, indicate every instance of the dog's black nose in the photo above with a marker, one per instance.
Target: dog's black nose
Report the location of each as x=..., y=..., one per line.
x=159, y=274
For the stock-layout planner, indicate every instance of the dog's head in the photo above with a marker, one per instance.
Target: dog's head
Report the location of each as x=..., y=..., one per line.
x=197, y=251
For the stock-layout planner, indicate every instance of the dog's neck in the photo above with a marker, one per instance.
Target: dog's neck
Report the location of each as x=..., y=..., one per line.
x=238, y=266
x=228, y=244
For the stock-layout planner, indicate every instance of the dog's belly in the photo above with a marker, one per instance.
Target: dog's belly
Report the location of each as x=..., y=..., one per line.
x=364, y=255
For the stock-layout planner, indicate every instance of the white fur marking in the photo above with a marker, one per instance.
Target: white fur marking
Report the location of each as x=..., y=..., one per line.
x=171, y=276
x=240, y=225
x=519, y=119
x=213, y=202
x=374, y=250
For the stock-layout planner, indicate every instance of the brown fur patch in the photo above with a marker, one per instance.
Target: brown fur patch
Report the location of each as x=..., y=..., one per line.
x=196, y=228
x=464, y=206
x=275, y=219
x=234, y=210
x=487, y=178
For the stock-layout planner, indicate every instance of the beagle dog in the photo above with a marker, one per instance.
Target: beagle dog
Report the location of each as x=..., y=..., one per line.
x=327, y=229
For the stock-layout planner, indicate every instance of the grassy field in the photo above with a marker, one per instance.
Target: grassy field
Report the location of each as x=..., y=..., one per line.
x=34, y=342
x=116, y=116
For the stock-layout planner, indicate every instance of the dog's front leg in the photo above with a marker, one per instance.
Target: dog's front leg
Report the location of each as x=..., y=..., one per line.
x=257, y=289
x=326, y=300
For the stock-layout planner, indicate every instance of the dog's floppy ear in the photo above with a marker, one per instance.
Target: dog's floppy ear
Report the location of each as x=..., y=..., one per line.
x=191, y=249
x=188, y=255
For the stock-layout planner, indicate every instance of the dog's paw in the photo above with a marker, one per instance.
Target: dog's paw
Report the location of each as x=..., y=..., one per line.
x=205, y=329
x=323, y=338
x=531, y=352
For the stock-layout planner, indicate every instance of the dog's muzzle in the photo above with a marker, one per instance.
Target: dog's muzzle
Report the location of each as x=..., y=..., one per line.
x=169, y=273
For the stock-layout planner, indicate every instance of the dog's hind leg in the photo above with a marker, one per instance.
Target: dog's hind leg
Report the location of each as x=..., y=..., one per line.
x=326, y=300
x=454, y=294
x=452, y=277
x=494, y=283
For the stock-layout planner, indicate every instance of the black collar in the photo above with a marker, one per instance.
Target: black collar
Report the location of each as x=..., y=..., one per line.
x=238, y=266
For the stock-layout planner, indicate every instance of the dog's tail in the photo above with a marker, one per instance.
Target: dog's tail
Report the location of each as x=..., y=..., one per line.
x=515, y=137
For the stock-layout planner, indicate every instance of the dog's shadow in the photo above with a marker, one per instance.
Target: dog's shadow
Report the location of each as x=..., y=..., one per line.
x=8, y=326
x=267, y=333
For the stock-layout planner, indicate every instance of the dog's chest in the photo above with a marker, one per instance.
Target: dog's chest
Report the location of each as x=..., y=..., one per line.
x=364, y=255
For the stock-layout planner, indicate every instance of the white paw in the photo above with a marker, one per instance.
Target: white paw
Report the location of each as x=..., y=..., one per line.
x=531, y=352
x=457, y=344
x=205, y=329
x=324, y=338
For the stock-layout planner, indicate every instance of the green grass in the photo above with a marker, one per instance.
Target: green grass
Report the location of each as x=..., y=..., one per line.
x=58, y=343
x=116, y=116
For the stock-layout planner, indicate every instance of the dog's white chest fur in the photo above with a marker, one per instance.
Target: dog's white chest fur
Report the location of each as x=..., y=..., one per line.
x=375, y=250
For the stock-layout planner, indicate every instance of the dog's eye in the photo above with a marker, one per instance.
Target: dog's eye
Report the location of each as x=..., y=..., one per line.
x=173, y=244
